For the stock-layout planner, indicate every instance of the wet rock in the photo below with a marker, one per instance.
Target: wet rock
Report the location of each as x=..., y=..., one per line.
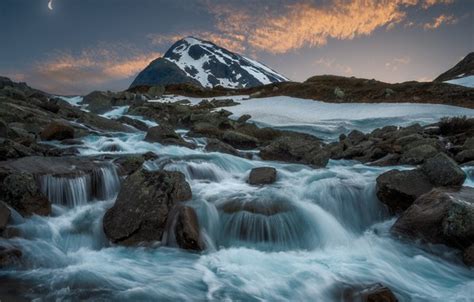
x=165, y=135
x=20, y=191
x=133, y=122
x=465, y=156
x=223, y=102
x=255, y=206
x=297, y=149
x=98, y=102
x=468, y=256
x=142, y=207
x=57, y=131
x=399, y=189
x=371, y=293
x=441, y=216
x=443, y=171
x=9, y=256
x=468, y=144
x=4, y=129
x=215, y=145
x=4, y=216
x=186, y=229
x=262, y=176
x=418, y=155
x=130, y=164
x=72, y=141
x=239, y=140
x=356, y=136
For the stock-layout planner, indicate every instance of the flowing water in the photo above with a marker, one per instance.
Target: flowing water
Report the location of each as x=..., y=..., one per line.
x=303, y=238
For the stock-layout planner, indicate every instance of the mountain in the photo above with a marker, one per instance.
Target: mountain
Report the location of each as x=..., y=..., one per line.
x=205, y=64
x=461, y=74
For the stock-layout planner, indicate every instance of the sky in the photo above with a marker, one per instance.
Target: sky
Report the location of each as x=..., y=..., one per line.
x=83, y=45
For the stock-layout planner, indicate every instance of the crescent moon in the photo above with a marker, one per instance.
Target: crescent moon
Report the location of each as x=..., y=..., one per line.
x=50, y=4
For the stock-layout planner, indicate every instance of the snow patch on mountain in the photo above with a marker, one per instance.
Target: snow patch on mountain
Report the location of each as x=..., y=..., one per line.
x=464, y=81
x=212, y=65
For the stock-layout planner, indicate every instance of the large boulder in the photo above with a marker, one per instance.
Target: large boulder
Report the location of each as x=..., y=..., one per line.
x=418, y=154
x=57, y=131
x=376, y=292
x=98, y=102
x=399, y=189
x=443, y=171
x=165, y=135
x=441, y=216
x=143, y=205
x=262, y=176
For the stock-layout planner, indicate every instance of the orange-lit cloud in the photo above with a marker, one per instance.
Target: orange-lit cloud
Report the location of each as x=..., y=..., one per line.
x=440, y=20
x=72, y=73
x=306, y=23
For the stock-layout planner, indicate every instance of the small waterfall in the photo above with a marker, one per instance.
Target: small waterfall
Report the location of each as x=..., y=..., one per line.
x=74, y=190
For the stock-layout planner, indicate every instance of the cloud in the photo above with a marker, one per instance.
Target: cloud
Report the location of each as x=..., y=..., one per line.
x=395, y=63
x=331, y=65
x=306, y=23
x=65, y=72
x=440, y=20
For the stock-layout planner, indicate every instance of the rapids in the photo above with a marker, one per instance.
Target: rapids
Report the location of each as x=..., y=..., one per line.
x=302, y=239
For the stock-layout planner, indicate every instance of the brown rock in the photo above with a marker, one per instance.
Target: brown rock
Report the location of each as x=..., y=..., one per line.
x=57, y=131
x=262, y=176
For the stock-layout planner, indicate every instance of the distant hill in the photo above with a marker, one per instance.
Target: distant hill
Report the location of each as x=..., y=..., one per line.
x=461, y=74
x=202, y=63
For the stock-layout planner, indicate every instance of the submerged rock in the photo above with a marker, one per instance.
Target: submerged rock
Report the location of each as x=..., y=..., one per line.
x=142, y=207
x=9, y=256
x=441, y=216
x=262, y=176
x=4, y=216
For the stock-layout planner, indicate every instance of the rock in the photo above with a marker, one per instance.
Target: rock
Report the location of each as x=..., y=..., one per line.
x=133, y=122
x=4, y=216
x=262, y=176
x=57, y=131
x=156, y=91
x=267, y=207
x=441, y=216
x=377, y=293
x=21, y=192
x=418, y=155
x=239, y=140
x=468, y=144
x=142, y=207
x=339, y=93
x=215, y=145
x=186, y=229
x=98, y=102
x=4, y=129
x=465, y=156
x=128, y=165
x=468, y=256
x=9, y=256
x=72, y=141
x=443, y=171
x=244, y=118
x=356, y=136
x=296, y=148
x=165, y=135
x=399, y=189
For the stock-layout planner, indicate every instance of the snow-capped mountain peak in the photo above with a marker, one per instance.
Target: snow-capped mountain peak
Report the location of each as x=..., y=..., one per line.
x=208, y=65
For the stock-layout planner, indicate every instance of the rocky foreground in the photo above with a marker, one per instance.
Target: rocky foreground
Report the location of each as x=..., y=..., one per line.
x=430, y=201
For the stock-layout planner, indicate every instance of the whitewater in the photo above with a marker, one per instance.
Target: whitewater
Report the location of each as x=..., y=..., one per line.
x=329, y=232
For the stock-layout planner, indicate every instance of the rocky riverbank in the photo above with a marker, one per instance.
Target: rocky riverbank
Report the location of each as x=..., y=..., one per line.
x=43, y=168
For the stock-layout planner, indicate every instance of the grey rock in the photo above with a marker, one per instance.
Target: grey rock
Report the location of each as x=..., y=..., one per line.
x=262, y=176
x=443, y=171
